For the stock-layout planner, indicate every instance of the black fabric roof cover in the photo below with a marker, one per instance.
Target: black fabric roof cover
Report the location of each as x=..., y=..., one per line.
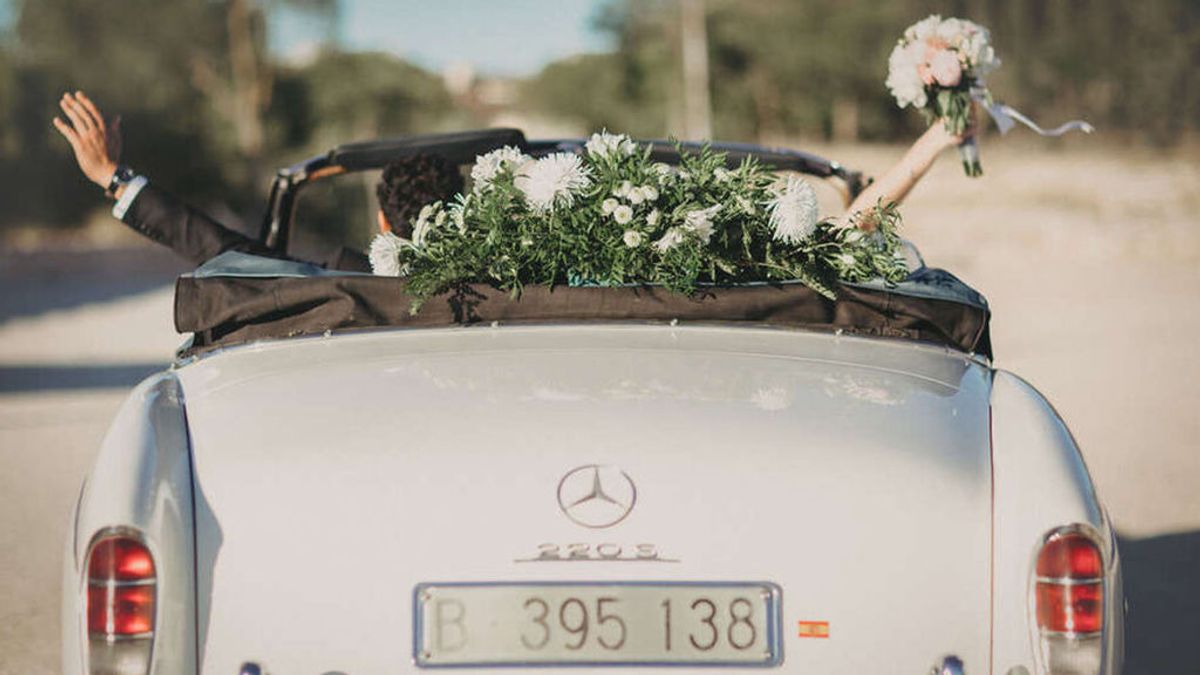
x=236, y=298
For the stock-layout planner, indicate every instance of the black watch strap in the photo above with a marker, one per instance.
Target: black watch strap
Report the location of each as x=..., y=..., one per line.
x=120, y=177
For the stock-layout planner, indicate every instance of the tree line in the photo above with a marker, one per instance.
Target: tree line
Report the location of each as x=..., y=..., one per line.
x=815, y=68
x=210, y=113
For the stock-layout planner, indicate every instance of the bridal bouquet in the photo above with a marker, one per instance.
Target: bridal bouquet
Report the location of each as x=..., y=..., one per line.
x=938, y=67
x=610, y=216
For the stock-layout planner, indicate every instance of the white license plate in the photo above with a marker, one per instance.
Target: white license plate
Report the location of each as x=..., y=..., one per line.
x=639, y=623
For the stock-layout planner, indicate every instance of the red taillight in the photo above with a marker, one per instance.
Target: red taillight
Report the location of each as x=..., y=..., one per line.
x=121, y=559
x=121, y=588
x=1071, y=556
x=1070, y=609
x=1070, y=585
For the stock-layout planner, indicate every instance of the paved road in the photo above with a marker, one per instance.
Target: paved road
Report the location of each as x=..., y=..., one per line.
x=1121, y=370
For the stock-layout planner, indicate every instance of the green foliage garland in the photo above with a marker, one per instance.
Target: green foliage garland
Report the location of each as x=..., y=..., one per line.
x=628, y=220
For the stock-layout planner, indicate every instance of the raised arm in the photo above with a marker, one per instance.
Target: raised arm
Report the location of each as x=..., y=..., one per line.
x=899, y=180
x=96, y=144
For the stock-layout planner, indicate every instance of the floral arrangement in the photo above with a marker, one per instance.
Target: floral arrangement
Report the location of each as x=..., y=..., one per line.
x=610, y=216
x=938, y=66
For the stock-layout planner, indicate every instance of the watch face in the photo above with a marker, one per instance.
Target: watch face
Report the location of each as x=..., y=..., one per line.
x=124, y=174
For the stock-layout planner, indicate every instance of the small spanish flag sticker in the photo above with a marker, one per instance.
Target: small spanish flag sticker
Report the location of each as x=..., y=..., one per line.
x=814, y=629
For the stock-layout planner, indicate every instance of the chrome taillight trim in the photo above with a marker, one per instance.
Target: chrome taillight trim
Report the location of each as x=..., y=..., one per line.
x=1071, y=635
x=1069, y=581
x=152, y=581
x=105, y=637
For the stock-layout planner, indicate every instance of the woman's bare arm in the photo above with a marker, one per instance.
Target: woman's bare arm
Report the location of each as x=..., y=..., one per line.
x=899, y=180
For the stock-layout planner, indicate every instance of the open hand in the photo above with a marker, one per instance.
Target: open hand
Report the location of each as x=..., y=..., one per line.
x=97, y=145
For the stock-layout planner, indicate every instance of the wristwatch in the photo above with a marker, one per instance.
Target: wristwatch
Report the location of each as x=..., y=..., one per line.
x=122, y=176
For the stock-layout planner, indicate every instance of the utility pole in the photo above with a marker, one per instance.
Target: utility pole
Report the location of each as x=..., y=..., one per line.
x=697, y=111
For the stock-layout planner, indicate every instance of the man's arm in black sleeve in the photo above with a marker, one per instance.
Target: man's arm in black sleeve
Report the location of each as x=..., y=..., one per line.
x=187, y=231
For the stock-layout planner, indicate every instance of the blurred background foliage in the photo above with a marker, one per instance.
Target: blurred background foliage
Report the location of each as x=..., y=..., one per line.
x=210, y=113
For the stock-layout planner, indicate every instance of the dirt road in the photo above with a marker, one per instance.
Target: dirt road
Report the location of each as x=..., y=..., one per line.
x=1090, y=261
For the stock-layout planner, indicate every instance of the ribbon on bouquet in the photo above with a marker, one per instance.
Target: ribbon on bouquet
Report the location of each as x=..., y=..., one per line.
x=1006, y=117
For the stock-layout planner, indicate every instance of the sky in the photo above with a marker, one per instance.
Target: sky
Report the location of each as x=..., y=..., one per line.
x=500, y=37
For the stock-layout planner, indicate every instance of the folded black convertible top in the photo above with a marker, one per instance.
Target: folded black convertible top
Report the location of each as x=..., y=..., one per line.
x=237, y=298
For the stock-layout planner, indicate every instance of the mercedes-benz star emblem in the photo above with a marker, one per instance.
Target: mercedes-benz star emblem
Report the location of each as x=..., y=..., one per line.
x=596, y=495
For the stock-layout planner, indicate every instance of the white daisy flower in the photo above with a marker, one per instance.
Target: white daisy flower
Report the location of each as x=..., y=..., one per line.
x=700, y=222
x=385, y=255
x=622, y=214
x=633, y=238
x=608, y=206
x=604, y=144
x=488, y=165
x=552, y=181
x=793, y=210
x=671, y=239
x=652, y=218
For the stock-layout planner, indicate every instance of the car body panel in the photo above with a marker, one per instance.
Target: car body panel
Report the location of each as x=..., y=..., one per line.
x=339, y=473
x=141, y=482
x=1041, y=484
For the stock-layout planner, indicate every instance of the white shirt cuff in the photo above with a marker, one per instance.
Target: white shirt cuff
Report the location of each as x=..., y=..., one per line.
x=131, y=192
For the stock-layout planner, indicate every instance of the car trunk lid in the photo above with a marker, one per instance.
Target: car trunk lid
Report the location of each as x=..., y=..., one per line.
x=335, y=475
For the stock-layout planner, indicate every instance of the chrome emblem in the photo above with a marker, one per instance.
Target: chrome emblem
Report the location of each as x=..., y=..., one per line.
x=596, y=495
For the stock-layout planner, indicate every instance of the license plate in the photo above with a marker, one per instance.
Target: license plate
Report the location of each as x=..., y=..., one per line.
x=644, y=623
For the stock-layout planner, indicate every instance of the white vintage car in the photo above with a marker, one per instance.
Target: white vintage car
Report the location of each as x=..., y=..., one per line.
x=584, y=479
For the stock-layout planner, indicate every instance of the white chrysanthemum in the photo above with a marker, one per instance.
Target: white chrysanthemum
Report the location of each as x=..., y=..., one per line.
x=431, y=216
x=663, y=172
x=488, y=165
x=700, y=222
x=623, y=189
x=622, y=214
x=385, y=255
x=904, y=80
x=608, y=206
x=793, y=210
x=604, y=144
x=652, y=217
x=458, y=212
x=636, y=197
x=552, y=181
x=633, y=238
x=650, y=193
x=671, y=239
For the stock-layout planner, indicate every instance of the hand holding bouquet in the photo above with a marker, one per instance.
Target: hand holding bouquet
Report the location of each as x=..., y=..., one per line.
x=938, y=67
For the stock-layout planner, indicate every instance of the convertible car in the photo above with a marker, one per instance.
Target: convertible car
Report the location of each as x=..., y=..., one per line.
x=751, y=478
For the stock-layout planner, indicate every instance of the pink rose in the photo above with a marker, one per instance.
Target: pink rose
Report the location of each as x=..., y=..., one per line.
x=945, y=68
x=925, y=73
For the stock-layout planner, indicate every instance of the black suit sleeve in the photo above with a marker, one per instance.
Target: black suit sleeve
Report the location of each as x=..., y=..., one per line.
x=185, y=230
